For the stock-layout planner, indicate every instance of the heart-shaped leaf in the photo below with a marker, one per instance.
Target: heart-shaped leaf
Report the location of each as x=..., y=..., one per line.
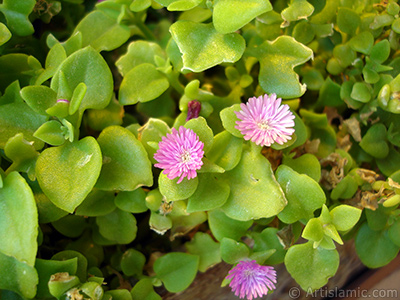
x=206, y=248
x=126, y=165
x=374, y=141
x=231, y=15
x=222, y=226
x=68, y=173
x=202, y=47
x=277, y=60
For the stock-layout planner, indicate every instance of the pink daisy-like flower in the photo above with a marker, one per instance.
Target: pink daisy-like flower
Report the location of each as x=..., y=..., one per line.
x=180, y=154
x=264, y=120
x=251, y=280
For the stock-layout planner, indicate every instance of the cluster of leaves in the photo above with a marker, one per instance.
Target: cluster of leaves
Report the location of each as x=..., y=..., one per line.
x=80, y=120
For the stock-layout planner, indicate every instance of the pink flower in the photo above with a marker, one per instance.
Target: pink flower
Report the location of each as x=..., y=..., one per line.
x=251, y=280
x=264, y=120
x=180, y=154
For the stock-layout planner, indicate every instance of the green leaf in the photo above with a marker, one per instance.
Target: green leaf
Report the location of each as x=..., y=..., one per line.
x=277, y=60
x=314, y=230
x=143, y=83
x=153, y=131
x=139, y=5
x=17, y=15
x=89, y=67
x=174, y=191
x=23, y=155
x=345, y=189
x=102, y=32
x=362, y=42
x=206, y=248
x=304, y=195
x=160, y=223
x=60, y=283
x=118, y=226
x=17, y=276
x=222, y=226
x=139, y=52
x=132, y=262
x=255, y=192
x=380, y=51
x=348, y=20
x=82, y=264
x=202, y=47
x=70, y=225
x=268, y=240
x=18, y=118
x=231, y=15
x=39, y=98
x=5, y=34
x=125, y=163
x=361, y=92
x=344, y=217
x=394, y=230
x=134, y=201
x=18, y=220
x=375, y=248
x=310, y=267
x=298, y=9
x=306, y=164
x=143, y=290
x=226, y=150
x=232, y=251
x=229, y=118
x=54, y=59
x=68, y=173
x=13, y=67
x=210, y=193
x=374, y=141
x=176, y=270
x=97, y=203
x=200, y=127
x=52, y=132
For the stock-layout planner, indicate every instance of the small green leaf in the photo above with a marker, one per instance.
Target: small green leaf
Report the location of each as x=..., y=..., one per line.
x=362, y=42
x=268, y=240
x=314, y=230
x=232, y=251
x=304, y=195
x=226, y=150
x=17, y=15
x=97, y=203
x=306, y=164
x=222, y=226
x=176, y=270
x=348, y=20
x=206, y=248
x=68, y=173
x=125, y=162
x=174, y=191
x=311, y=267
x=132, y=262
x=70, y=225
x=81, y=270
x=202, y=47
x=298, y=9
x=5, y=34
x=229, y=118
x=374, y=141
x=231, y=15
x=134, y=201
x=143, y=290
x=118, y=226
x=77, y=97
x=344, y=217
x=277, y=60
x=180, y=5
x=200, y=127
x=143, y=83
x=52, y=132
x=375, y=248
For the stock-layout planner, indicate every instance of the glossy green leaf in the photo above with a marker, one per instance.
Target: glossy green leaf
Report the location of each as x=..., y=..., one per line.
x=182, y=5
x=19, y=118
x=139, y=52
x=229, y=118
x=97, y=203
x=68, y=173
x=132, y=262
x=344, y=217
x=226, y=150
x=362, y=42
x=174, y=191
x=143, y=290
x=374, y=248
x=5, y=34
x=374, y=141
x=203, y=131
x=268, y=240
x=52, y=132
x=202, y=47
x=311, y=267
x=143, y=83
x=222, y=226
x=125, y=162
x=133, y=201
x=304, y=195
x=231, y=15
x=345, y=189
x=348, y=20
x=102, y=32
x=60, y=283
x=314, y=230
x=232, y=251
x=277, y=60
x=81, y=270
x=298, y=9
x=361, y=92
x=206, y=248
x=210, y=193
x=18, y=220
x=17, y=15
x=153, y=131
x=176, y=270
x=17, y=276
x=54, y=58
x=255, y=192
x=306, y=164
x=118, y=226
x=87, y=66
x=139, y=5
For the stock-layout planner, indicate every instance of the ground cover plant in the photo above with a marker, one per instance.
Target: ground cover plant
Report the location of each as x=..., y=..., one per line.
x=144, y=141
